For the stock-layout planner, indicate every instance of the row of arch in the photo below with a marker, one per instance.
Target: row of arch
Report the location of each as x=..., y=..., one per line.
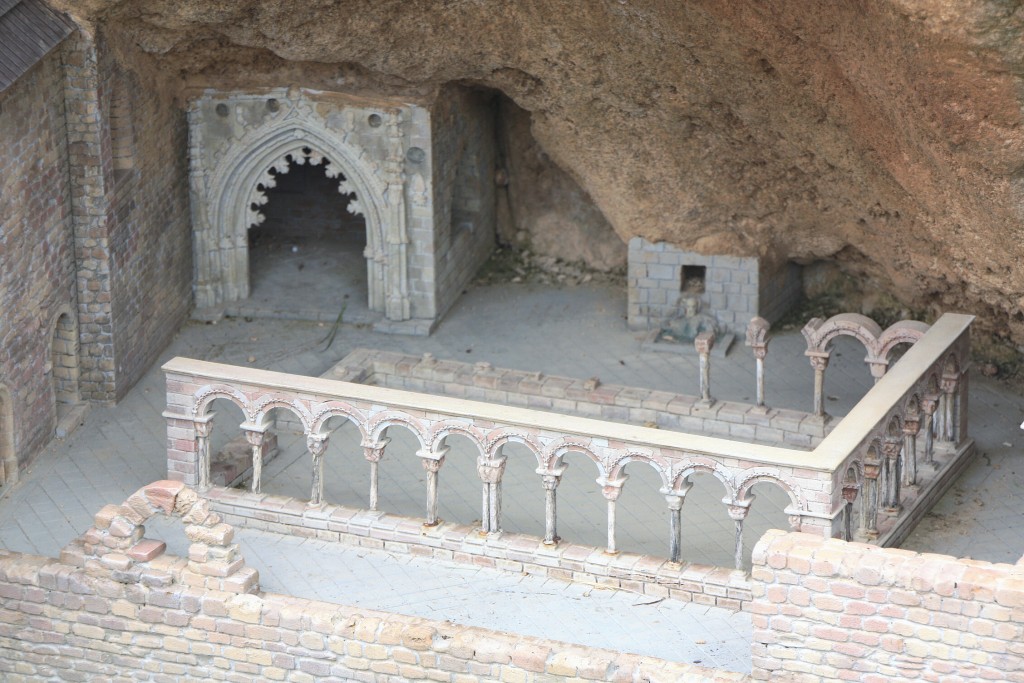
x=675, y=474
x=893, y=459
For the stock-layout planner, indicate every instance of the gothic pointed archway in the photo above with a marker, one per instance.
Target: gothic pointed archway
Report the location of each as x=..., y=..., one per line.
x=228, y=200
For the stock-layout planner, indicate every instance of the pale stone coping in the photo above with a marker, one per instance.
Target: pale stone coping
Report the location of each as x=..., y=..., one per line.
x=891, y=388
x=556, y=422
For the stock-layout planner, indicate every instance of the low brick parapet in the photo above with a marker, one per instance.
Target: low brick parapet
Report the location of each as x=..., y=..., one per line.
x=582, y=397
x=64, y=622
x=824, y=609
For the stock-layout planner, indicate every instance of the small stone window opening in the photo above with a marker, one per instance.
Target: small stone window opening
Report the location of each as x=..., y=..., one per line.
x=122, y=130
x=691, y=279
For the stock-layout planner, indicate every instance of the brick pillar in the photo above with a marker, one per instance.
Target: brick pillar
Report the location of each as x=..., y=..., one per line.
x=90, y=164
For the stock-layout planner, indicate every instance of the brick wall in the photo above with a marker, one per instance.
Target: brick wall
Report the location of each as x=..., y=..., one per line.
x=37, y=280
x=586, y=398
x=130, y=205
x=150, y=242
x=103, y=621
x=826, y=609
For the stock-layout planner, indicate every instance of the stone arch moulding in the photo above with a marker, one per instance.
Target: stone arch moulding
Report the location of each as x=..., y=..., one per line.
x=222, y=197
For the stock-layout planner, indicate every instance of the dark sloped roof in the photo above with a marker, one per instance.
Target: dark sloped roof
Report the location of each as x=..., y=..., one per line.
x=28, y=31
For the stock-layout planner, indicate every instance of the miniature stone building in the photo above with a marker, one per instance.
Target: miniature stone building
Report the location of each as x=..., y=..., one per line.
x=734, y=289
x=419, y=175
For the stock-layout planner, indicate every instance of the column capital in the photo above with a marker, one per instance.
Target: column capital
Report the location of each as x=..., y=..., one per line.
x=738, y=509
x=611, y=488
x=819, y=359
x=491, y=470
x=317, y=443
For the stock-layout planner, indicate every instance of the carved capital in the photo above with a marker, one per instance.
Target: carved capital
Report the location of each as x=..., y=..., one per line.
x=850, y=492
x=703, y=342
x=317, y=444
x=819, y=361
x=757, y=335
x=738, y=509
x=611, y=488
x=490, y=469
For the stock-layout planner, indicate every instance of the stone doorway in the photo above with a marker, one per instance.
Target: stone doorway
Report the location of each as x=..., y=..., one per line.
x=8, y=460
x=307, y=256
x=64, y=373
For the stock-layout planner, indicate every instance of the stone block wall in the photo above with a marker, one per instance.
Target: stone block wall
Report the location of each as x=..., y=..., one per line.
x=464, y=157
x=735, y=288
x=37, y=280
x=830, y=610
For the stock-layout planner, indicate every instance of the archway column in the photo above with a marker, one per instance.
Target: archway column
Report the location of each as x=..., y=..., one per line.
x=911, y=426
x=491, y=471
x=373, y=451
x=675, y=498
x=929, y=406
x=869, y=507
x=738, y=510
x=255, y=434
x=317, y=445
x=432, y=462
x=891, y=447
x=551, y=478
x=611, y=489
x=819, y=361
x=203, y=428
x=850, y=493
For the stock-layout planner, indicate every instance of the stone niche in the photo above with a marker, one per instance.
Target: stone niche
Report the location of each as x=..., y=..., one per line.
x=403, y=163
x=733, y=289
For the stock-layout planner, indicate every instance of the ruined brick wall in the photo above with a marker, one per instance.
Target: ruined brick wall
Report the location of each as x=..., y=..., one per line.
x=37, y=280
x=59, y=621
x=464, y=155
x=830, y=610
x=150, y=244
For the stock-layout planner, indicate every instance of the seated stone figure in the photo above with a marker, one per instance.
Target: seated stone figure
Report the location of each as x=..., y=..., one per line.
x=688, y=322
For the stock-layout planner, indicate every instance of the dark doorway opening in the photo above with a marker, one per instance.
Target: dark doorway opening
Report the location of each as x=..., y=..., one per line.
x=306, y=259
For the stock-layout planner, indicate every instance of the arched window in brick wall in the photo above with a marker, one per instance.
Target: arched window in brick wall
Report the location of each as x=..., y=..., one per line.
x=8, y=460
x=122, y=129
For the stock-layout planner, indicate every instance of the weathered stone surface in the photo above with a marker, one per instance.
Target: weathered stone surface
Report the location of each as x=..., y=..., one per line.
x=884, y=135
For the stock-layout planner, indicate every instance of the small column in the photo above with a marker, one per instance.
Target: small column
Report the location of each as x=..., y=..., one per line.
x=757, y=340
x=551, y=479
x=703, y=343
x=373, y=452
x=203, y=426
x=254, y=434
x=869, y=520
x=317, y=445
x=850, y=491
x=611, y=488
x=948, y=385
x=738, y=512
x=911, y=426
x=929, y=405
x=891, y=447
x=491, y=471
x=819, y=361
x=432, y=462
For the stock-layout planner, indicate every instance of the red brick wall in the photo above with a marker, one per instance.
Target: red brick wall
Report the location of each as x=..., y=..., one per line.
x=37, y=277
x=831, y=610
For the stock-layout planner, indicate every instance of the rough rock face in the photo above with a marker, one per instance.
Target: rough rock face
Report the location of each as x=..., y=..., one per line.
x=884, y=134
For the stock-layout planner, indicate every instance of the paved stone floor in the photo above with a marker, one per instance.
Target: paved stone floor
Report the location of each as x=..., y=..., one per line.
x=577, y=331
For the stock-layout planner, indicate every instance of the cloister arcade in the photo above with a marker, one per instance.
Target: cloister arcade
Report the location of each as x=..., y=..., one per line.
x=858, y=482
